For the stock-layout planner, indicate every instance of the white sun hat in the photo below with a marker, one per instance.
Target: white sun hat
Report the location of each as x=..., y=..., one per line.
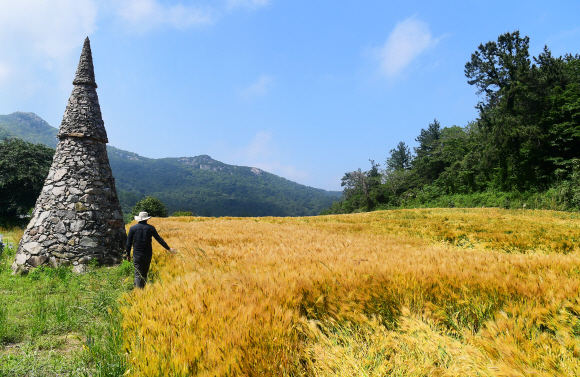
x=142, y=216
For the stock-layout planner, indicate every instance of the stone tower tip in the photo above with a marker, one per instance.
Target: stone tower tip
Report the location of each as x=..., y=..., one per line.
x=82, y=117
x=85, y=71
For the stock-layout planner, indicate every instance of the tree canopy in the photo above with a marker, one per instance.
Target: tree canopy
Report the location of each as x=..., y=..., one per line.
x=23, y=169
x=525, y=138
x=153, y=206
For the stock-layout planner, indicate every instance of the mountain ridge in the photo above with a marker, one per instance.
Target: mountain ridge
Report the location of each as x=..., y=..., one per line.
x=199, y=184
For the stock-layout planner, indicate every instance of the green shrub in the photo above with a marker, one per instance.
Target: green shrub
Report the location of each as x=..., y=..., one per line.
x=182, y=213
x=153, y=206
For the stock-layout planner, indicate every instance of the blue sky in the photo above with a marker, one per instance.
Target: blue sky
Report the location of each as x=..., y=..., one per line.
x=307, y=90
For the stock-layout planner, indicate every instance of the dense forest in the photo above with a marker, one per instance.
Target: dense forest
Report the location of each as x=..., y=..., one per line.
x=523, y=150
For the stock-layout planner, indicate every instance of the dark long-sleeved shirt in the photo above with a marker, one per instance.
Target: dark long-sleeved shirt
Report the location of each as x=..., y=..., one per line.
x=140, y=238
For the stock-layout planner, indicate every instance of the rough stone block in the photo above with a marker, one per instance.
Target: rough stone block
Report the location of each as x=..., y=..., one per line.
x=53, y=262
x=80, y=269
x=88, y=242
x=77, y=225
x=41, y=218
x=59, y=174
x=21, y=259
x=58, y=191
x=37, y=261
x=60, y=227
x=93, y=190
x=80, y=207
x=33, y=247
x=18, y=269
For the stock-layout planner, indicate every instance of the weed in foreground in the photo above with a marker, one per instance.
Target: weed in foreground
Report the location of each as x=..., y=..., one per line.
x=49, y=318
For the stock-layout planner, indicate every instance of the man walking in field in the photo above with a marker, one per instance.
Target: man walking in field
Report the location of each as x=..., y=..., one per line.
x=139, y=238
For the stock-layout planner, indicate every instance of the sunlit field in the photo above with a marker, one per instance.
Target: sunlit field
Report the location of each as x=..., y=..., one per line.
x=442, y=292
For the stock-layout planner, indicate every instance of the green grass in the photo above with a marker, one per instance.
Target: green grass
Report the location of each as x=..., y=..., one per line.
x=56, y=323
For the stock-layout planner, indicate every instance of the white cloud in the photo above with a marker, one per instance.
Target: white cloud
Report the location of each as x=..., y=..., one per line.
x=252, y=4
x=259, y=87
x=40, y=40
x=259, y=147
x=287, y=171
x=406, y=42
x=49, y=27
x=143, y=15
x=262, y=153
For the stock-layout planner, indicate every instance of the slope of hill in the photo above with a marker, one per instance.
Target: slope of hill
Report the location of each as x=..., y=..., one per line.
x=29, y=127
x=199, y=184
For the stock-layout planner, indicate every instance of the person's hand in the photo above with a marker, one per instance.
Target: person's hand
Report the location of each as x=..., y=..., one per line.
x=129, y=258
x=172, y=250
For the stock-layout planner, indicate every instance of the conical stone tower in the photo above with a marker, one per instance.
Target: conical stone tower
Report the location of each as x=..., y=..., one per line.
x=77, y=216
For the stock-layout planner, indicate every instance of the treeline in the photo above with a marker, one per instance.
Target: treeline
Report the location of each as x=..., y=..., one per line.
x=524, y=147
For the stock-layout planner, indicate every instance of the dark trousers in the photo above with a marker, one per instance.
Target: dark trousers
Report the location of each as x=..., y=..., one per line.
x=141, y=263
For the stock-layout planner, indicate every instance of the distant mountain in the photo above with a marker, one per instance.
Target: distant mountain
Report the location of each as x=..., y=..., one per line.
x=199, y=184
x=29, y=127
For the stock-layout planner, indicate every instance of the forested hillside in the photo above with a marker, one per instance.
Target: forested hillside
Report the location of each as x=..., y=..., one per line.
x=523, y=149
x=212, y=188
x=198, y=184
x=29, y=127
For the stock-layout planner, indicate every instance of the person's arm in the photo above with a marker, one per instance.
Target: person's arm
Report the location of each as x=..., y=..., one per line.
x=129, y=244
x=160, y=240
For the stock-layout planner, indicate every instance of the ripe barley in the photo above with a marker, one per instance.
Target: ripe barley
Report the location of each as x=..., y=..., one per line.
x=408, y=292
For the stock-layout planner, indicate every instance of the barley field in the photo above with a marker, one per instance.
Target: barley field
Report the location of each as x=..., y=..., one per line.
x=437, y=292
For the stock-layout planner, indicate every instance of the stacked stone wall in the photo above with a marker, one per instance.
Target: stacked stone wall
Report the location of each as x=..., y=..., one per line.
x=82, y=117
x=78, y=216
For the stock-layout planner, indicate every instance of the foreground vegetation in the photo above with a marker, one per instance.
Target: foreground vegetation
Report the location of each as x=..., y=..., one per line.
x=471, y=292
x=480, y=292
x=56, y=323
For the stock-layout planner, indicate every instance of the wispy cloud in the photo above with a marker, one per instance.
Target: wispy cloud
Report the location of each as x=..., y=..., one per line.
x=259, y=147
x=261, y=153
x=252, y=4
x=41, y=39
x=50, y=27
x=259, y=87
x=406, y=42
x=144, y=15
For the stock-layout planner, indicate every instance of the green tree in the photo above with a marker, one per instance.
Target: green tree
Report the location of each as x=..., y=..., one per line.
x=427, y=140
x=427, y=166
x=400, y=157
x=153, y=206
x=501, y=72
x=23, y=169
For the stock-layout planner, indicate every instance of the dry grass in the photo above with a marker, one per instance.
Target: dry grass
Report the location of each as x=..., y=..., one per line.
x=480, y=292
x=12, y=235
